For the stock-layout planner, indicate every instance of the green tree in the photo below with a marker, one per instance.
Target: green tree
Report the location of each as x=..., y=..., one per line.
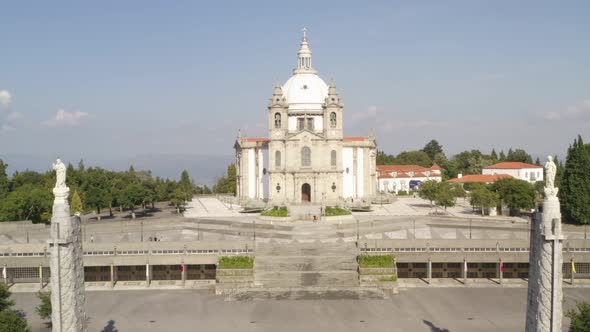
x=494, y=156
x=574, y=192
x=76, y=204
x=432, y=148
x=419, y=158
x=519, y=155
x=516, y=194
x=178, y=198
x=428, y=190
x=483, y=198
x=44, y=308
x=502, y=156
x=5, y=302
x=538, y=161
x=4, y=183
x=579, y=317
x=384, y=159
x=132, y=196
x=10, y=321
x=98, y=198
x=459, y=191
x=27, y=202
x=445, y=196
x=227, y=184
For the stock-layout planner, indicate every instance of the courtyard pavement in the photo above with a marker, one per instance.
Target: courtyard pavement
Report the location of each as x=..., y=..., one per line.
x=412, y=310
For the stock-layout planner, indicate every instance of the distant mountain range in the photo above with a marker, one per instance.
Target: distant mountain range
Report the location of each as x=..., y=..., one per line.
x=203, y=169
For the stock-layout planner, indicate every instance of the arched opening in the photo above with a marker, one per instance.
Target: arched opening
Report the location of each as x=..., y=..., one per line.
x=305, y=157
x=332, y=120
x=306, y=192
x=277, y=120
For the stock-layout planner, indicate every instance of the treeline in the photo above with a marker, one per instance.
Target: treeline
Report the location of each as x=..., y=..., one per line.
x=28, y=195
x=466, y=162
x=227, y=184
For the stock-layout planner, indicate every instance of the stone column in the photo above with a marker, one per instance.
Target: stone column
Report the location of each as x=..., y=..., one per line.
x=148, y=274
x=429, y=272
x=183, y=273
x=40, y=276
x=500, y=272
x=544, y=302
x=67, y=267
x=112, y=275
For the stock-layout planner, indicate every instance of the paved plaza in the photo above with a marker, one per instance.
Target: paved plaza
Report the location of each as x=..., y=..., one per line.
x=418, y=309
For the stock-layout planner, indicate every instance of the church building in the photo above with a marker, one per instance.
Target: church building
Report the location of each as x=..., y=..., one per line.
x=306, y=157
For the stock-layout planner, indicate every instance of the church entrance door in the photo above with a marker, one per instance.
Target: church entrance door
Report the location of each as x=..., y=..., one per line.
x=306, y=192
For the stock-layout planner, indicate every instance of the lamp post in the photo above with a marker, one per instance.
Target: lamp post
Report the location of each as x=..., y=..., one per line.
x=254, y=228
x=141, y=231
x=469, y=229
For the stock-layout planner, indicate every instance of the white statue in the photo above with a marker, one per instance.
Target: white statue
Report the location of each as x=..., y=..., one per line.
x=550, y=170
x=60, y=174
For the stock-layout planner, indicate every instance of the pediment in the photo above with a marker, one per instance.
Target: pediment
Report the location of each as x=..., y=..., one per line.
x=306, y=135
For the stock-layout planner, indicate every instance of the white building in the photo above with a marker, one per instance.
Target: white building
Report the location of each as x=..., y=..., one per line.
x=305, y=157
x=395, y=178
x=518, y=170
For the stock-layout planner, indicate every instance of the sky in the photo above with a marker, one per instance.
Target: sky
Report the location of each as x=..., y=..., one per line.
x=117, y=80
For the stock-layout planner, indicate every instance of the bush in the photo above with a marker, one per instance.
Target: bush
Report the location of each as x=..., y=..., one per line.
x=276, y=212
x=44, y=308
x=10, y=321
x=336, y=211
x=402, y=193
x=580, y=318
x=236, y=262
x=390, y=278
x=380, y=261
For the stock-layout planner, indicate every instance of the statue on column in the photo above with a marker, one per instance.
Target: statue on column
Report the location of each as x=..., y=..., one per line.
x=60, y=174
x=550, y=172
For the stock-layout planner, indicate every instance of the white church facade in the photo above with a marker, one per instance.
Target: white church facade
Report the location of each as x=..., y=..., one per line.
x=306, y=157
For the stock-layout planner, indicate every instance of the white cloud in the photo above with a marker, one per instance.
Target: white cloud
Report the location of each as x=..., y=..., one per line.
x=63, y=118
x=572, y=113
x=370, y=113
x=5, y=98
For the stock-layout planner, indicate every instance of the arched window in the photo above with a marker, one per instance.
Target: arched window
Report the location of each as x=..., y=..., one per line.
x=333, y=120
x=277, y=120
x=333, y=158
x=277, y=158
x=305, y=157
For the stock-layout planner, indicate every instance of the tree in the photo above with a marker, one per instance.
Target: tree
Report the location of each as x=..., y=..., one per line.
x=516, y=194
x=574, y=192
x=432, y=148
x=579, y=317
x=428, y=190
x=227, y=184
x=179, y=197
x=483, y=198
x=44, y=308
x=10, y=321
x=97, y=198
x=27, y=202
x=5, y=302
x=76, y=204
x=131, y=196
x=384, y=159
x=494, y=155
x=4, y=183
x=502, y=156
x=445, y=196
x=413, y=158
x=538, y=161
x=519, y=155
x=459, y=191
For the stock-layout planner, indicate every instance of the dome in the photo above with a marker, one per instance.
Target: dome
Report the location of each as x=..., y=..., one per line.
x=305, y=91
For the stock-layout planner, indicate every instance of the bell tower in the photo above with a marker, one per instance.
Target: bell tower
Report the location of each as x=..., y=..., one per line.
x=333, y=114
x=277, y=114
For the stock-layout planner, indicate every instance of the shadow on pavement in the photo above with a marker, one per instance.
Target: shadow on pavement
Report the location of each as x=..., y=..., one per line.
x=434, y=328
x=110, y=327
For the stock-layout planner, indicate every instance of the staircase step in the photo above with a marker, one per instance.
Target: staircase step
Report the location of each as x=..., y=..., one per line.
x=306, y=278
x=307, y=293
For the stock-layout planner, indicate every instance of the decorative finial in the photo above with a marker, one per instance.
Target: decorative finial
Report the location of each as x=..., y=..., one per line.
x=239, y=133
x=60, y=174
x=304, y=34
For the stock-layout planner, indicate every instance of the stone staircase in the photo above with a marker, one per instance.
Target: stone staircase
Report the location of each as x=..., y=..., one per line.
x=306, y=265
x=305, y=211
x=306, y=271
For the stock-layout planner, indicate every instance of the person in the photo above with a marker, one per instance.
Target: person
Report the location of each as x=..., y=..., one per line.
x=155, y=238
x=91, y=238
x=150, y=239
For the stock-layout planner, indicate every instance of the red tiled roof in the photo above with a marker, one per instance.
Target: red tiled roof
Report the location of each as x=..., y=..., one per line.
x=354, y=138
x=401, y=168
x=253, y=139
x=435, y=167
x=487, y=178
x=511, y=165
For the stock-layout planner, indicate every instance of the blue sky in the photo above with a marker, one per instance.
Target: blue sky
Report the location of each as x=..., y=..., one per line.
x=108, y=80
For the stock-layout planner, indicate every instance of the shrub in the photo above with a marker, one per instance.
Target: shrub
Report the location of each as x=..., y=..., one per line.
x=276, y=212
x=402, y=193
x=390, y=278
x=236, y=262
x=580, y=317
x=380, y=261
x=336, y=211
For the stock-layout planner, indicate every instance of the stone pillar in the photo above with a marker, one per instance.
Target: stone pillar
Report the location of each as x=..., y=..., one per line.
x=148, y=274
x=429, y=267
x=40, y=276
x=571, y=271
x=544, y=302
x=183, y=273
x=464, y=269
x=112, y=275
x=5, y=274
x=501, y=271
x=67, y=267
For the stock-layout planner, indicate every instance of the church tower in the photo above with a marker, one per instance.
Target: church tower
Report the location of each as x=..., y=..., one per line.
x=333, y=114
x=277, y=114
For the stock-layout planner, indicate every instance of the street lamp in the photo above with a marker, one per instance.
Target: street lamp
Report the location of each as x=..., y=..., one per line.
x=141, y=231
